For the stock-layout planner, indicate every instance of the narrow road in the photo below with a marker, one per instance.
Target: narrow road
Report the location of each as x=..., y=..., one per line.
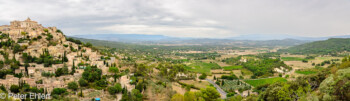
x=222, y=92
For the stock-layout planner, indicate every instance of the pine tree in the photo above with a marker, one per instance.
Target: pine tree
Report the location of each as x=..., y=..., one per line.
x=26, y=68
x=73, y=68
x=63, y=56
x=81, y=93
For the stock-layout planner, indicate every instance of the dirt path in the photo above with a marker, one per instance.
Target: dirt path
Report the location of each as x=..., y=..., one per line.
x=119, y=96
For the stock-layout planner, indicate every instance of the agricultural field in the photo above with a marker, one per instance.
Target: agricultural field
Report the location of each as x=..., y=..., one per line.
x=299, y=64
x=305, y=72
x=229, y=68
x=318, y=60
x=202, y=67
x=292, y=58
x=246, y=73
x=233, y=85
x=258, y=82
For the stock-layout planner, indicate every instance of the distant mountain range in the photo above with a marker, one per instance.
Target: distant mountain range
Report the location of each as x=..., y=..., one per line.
x=250, y=40
x=133, y=38
x=142, y=37
x=281, y=37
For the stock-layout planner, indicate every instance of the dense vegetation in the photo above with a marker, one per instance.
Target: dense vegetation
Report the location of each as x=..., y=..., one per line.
x=259, y=82
x=261, y=65
x=333, y=46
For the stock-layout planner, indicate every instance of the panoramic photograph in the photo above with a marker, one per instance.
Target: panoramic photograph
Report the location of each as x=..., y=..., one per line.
x=175, y=50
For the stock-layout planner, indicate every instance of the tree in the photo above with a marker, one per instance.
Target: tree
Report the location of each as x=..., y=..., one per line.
x=2, y=87
x=177, y=97
x=64, y=58
x=112, y=90
x=23, y=34
x=190, y=96
x=59, y=72
x=235, y=98
x=88, y=44
x=17, y=48
x=80, y=94
x=134, y=95
x=58, y=91
x=203, y=76
x=114, y=70
x=73, y=86
x=83, y=83
x=14, y=88
x=210, y=94
x=92, y=74
x=137, y=96
x=118, y=86
x=73, y=68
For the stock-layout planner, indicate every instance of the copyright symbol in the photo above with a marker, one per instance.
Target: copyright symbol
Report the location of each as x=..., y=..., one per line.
x=2, y=95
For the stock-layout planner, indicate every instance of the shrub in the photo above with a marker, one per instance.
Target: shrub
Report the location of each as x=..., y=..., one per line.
x=73, y=86
x=83, y=83
x=203, y=76
x=14, y=88
x=230, y=77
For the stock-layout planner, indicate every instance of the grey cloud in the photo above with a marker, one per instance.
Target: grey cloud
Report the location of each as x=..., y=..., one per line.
x=185, y=18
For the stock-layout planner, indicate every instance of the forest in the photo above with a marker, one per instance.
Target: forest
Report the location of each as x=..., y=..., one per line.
x=332, y=46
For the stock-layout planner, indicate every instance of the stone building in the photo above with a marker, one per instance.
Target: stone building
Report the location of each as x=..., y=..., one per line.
x=28, y=28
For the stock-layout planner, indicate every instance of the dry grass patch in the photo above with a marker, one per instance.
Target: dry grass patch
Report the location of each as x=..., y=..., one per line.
x=177, y=87
x=219, y=71
x=299, y=64
x=199, y=84
x=318, y=60
x=222, y=64
x=289, y=55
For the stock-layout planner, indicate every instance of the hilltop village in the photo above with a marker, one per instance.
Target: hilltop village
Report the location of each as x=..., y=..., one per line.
x=43, y=57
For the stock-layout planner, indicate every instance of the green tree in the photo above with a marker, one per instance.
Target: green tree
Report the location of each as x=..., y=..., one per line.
x=114, y=70
x=14, y=88
x=112, y=90
x=88, y=44
x=73, y=86
x=57, y=92
x=81, y=94
x=190, y=96
x=92, y=74
x=73, y=68
x=203, y=76
x=177, y=97
x=17, y=48
x=210, y=94
x=83, y=83
x=118, y=86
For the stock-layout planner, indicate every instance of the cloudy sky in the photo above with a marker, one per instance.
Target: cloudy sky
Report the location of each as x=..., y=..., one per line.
x=185, y=18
